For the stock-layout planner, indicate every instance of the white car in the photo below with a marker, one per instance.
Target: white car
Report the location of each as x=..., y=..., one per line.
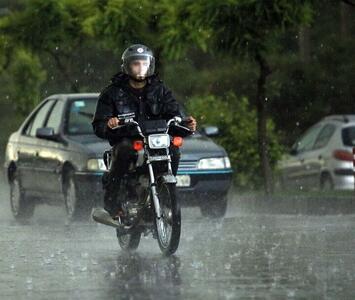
x=322, y=158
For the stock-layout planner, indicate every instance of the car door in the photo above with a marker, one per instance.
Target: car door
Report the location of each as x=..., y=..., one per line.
x=50, y=153
x=314, y=158
x=294, y=171
x=27, y=152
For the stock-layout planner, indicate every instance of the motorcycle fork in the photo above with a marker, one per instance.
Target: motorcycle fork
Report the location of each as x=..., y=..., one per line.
x=153, y=185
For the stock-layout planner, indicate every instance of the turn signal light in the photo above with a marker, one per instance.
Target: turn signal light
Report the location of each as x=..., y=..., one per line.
x=138, y=145
x=177, y=141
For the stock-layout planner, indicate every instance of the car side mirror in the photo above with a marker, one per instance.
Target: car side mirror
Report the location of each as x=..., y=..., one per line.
x=210, y=130
x=47, y=133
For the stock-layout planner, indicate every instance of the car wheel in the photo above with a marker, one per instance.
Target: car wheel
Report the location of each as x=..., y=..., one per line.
x=22, y=207
x=279, y=184
x=214, y=208
x=75, y=205
x=326, y=183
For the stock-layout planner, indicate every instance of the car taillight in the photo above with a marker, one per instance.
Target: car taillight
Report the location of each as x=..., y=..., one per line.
x=343, y=155
x=138, y=145
x=177, y=141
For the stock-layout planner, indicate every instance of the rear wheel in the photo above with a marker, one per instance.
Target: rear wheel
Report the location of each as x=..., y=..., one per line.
x=214, y=208
x=129, y=241
x=168, y=227
x=326, y=183
x=22, y=207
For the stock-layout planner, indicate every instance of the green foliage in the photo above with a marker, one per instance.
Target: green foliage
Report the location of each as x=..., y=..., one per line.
x=123, y=22
x=237, y=123
x=49, y=25
x=207, y=48
x=28, y=76
x=238, y=27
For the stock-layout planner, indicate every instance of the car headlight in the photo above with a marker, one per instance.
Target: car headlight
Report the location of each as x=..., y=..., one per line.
x=96, y=164
x=227, y=162
x=158, y=141
x=214, y=163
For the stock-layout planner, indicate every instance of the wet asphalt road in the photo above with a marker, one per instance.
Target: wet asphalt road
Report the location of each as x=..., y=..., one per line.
x=244, y=256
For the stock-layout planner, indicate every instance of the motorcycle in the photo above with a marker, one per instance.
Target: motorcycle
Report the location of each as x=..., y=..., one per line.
x=156, y=208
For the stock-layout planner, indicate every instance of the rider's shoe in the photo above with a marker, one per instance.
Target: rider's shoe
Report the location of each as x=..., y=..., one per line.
x=115, y=213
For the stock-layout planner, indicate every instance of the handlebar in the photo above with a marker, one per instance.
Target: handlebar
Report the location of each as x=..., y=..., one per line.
x=130, y=121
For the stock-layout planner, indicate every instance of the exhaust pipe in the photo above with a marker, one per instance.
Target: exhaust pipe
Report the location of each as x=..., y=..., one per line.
x=102, y=216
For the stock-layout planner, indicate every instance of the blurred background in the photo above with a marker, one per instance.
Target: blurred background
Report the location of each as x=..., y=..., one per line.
x=262, y=71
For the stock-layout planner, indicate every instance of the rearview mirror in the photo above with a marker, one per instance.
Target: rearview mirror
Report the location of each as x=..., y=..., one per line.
x=210, y=130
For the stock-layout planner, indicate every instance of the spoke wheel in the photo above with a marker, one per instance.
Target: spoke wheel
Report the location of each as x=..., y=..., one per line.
x=168, y=227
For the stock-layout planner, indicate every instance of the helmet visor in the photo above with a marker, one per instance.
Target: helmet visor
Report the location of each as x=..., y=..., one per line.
x=139, y=66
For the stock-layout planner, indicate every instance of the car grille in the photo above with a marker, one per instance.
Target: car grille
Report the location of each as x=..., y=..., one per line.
x=187, y=165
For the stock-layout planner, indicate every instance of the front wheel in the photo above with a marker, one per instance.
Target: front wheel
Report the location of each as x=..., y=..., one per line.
x=22, y=207
x=77, y=207
x=168, y=227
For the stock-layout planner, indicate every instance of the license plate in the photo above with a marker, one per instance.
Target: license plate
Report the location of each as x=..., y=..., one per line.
x=183, y=180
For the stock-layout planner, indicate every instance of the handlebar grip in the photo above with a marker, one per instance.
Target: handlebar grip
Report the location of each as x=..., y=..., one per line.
x=178, y=119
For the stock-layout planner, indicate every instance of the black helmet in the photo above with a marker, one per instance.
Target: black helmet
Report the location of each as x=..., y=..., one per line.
x=138, y=52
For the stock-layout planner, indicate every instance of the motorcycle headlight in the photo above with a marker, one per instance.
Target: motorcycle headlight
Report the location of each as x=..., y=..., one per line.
x=214, y=163
x=158, y=141
x=96, y=164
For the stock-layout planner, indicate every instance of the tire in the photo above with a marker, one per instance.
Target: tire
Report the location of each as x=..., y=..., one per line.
x=326, y=183
x=279, y=184
x=129, y=241
x=214, y=208
x=75, y=205
x=22, y=207
x=168, y=228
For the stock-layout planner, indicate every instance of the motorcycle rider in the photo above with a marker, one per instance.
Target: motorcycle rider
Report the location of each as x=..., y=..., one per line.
x=139, y=90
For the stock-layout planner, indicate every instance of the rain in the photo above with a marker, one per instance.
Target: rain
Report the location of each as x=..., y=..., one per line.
x=265, y=183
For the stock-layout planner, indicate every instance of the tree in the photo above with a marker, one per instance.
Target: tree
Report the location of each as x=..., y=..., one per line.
x=54, y=28
x=242, y=29
x=27, y=78
x=120, y=23
x=235, y=120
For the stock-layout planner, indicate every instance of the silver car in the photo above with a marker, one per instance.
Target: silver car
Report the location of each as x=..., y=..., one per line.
x=322, y=158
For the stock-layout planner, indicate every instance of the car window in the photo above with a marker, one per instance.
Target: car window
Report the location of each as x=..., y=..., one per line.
x=80, y=114
x=306, y=142
x=348, y=136
x=324, y=136
x=39, y=118
x=55, y=116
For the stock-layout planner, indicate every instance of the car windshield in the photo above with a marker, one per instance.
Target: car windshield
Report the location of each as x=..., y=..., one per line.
x=348, y=136
x=80, y=114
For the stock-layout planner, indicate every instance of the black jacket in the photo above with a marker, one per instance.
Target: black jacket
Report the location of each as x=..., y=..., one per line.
x=117, y=98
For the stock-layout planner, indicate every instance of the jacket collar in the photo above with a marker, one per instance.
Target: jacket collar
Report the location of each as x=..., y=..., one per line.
x=121, y=79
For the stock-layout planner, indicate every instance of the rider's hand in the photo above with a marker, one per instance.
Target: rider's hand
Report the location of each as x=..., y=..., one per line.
x=113, y=122
x=191, y=123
